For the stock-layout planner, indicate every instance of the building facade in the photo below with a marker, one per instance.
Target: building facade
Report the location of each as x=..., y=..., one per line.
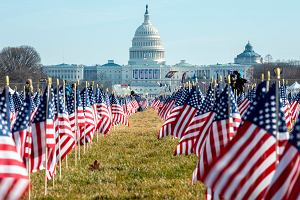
x=109, y=72
x=146, y=70
x=64, y=71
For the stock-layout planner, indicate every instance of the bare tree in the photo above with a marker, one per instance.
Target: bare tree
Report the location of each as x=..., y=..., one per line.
x=268, y=58
x=289, y=72
x=20, y=63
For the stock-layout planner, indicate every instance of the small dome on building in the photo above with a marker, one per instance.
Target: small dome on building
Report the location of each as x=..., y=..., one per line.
x=111, y=63
x=248, y=57
x=183, y=63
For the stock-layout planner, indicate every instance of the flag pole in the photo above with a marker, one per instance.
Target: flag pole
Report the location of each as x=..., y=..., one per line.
x=97, y=115
x=59, y=149
x=84, y=132
x=214, y=82
x=53, y=177
x=29, y=89
x=46, y=148
x=64, y=96
x=290, y=119
x=229, y=109
x=268, y=81
x=7, y=101
x=220, y=81
x=75, y=127
x=24, y=91
x=277, y=71
x=95, y=111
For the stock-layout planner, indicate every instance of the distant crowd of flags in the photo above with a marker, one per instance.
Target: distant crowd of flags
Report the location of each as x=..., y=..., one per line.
x=247, y=146
x=37, y=131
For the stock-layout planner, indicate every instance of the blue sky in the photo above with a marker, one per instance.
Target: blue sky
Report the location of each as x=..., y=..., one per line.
x=202, y=32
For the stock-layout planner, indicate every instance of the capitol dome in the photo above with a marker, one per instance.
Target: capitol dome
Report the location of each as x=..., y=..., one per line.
x=146, y=44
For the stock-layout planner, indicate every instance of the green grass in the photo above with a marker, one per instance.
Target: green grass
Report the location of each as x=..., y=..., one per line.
x=134, y=164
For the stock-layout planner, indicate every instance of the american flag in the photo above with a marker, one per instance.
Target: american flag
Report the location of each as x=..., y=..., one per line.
x=189, y=110
x=144, y=103
x=88, y=130
x=22, y=95
x=13, y=174
x=130, y=106
x=240, y=98
x=254, y=96
x=104, y=114
x=12, y=110
x=198, y=126
x=286, y=106
x=65, y=139
x=92, y=98
x=295, y=107
x=247, y=164
x=168, y=105
x=43, y=132
x=200, y=94
x=218, y=90
x=286, y=180
x=118, y=114
x=135, y=104
x=109, y=106
x=123, y=105
x=260, y=93
x=161, y=103
x=168, y=127
x=75, y=112
x=37, y=99
x=244, y=102
x=21, y=129
x=17, y=101
x=156, y=102
x=223, y=128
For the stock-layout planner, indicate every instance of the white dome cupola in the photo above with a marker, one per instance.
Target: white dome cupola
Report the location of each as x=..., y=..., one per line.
x=146, y=44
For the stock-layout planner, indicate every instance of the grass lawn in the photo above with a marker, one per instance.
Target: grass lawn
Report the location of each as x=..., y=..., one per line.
x=134, y=164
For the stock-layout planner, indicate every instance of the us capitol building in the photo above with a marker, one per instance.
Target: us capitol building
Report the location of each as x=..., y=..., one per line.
x=146, y=70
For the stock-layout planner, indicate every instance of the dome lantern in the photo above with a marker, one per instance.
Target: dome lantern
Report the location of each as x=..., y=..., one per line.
x=248, y=47
x=146, y=16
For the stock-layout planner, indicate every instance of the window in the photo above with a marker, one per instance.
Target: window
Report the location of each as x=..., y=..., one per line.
x=135, y=74
x=150, y=76
x=146, y=73
x=156, y=73
x=142, y=74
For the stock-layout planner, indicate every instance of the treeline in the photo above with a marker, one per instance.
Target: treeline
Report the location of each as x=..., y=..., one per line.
x=289, y=72
x=20, y=63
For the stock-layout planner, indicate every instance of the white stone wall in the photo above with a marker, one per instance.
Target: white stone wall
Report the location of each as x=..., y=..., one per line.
x=65, y=71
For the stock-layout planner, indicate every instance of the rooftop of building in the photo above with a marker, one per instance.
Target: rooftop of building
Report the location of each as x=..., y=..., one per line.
x=111, y=63
x=248, y=52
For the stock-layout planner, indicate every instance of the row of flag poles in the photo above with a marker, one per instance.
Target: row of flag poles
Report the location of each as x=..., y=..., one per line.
x=247, y=145
x=38, y=131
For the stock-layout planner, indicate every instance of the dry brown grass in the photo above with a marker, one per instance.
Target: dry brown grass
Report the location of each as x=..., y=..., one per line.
x=133, y=165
